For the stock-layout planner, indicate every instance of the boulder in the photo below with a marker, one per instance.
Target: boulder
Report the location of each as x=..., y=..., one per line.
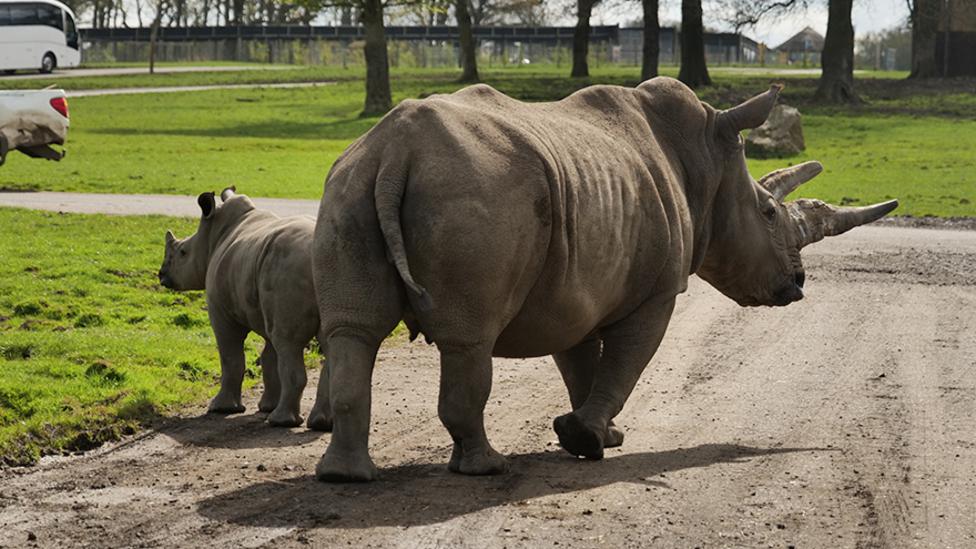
x=780, y=136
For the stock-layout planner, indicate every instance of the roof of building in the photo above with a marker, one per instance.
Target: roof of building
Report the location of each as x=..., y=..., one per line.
x=805, y=40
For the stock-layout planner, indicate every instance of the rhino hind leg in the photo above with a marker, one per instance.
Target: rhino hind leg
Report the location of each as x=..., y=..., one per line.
x=351, y=354
x=230, y=344
x=577, y=366
x=465, y=387
x=269, y=373
x=292, y=376
x=628, y=346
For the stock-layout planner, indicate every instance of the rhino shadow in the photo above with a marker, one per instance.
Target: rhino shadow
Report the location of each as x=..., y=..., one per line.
x=426, y=493
x=235, y=432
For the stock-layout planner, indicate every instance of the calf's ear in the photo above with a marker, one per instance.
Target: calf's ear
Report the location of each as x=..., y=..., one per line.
x=750, y=114
x=227, y=193
x=170, y=238
x=207, y=204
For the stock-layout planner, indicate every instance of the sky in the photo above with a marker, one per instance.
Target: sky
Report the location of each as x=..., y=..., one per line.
x=869, y=16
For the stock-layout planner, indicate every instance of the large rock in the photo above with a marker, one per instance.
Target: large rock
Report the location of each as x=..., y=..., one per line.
x=781, y=135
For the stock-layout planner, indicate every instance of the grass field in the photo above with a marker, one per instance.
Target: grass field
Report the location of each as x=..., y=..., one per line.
x=911, y=143
x=91, y=346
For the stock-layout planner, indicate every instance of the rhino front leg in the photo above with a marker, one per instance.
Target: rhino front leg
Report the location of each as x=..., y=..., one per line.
x=291, y=372
x=465, y=387
x=578, y=366
x=269, y=373
x=628, y=346
x=320, y=418
x=230, y=344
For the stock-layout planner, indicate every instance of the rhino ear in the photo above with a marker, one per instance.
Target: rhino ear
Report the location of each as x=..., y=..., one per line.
x=207, y=204
x=750, y=114
x=170, y=238
x=227, y=193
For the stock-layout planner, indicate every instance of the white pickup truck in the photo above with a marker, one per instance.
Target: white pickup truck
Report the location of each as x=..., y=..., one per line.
x=31, y=121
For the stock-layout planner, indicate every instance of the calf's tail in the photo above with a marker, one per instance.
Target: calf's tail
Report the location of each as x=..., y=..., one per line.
x=388, y=197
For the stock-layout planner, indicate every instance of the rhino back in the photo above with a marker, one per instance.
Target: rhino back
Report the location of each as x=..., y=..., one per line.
x=261, y=276
x=565, y=215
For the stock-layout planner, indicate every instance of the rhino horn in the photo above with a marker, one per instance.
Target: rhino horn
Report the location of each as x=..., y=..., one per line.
x=752, y=113
x=781, y=183
x=816, y=220
x=227, y=193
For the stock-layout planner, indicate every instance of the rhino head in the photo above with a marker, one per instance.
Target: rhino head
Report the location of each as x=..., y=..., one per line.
x=754, y=238
x=185, y=260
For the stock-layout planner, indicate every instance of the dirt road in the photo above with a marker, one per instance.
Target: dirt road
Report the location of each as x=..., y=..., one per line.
x=124, y=71
x=845, y=420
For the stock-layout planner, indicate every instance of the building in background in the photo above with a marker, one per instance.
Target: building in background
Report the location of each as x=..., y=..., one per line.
x=957, y=57
x=803, y=48
x=721, y=48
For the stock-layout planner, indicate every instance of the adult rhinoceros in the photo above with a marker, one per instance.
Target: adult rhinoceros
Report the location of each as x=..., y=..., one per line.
x=502, y=228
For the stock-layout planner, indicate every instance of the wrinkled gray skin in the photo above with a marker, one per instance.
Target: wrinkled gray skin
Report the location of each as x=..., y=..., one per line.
x=500, y=228
x=256, y=270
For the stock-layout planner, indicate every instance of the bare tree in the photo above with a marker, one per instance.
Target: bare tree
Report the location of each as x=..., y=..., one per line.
x=924, y=16
x=581, y=38
x=652, y=39
x=469, y=57
x=837, y=77
x=693, y=70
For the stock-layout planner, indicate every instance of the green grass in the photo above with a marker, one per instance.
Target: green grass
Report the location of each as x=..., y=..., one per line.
x=910, y=141
x=91, y=346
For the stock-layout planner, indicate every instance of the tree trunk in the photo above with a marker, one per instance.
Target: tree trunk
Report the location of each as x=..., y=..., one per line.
x=378, y=100
x=153, y=35
x=238, y=12
x=693, y=71
x=837, y=79
x=581, y=38
x=652, y=40
x=925, y=26
x=469, y=56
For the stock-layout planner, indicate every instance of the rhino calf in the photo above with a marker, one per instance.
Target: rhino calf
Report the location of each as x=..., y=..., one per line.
x=257, y=272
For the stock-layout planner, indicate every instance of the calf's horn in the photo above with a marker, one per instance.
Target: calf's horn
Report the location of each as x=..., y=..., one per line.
x=752, y=113
x=781, y=183
x=816, y=220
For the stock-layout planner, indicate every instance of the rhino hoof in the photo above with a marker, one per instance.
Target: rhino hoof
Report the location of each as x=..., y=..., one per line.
x=345, y=468
x=318, y=421
x=614, y=437
x=485, y=462
x=267, y=404
x=284, y=419
x=218, y=407
x=578, y=439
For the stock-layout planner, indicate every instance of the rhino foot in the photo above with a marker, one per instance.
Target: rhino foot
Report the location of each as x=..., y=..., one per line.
x=267, y=403
x=614, y=437
x=319, y=421
x=225, y=405
x=577, y=438
x=479, y=462
x=284, y=418
x=341, y=467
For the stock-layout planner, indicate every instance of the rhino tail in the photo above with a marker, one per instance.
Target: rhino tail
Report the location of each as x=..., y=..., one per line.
x=388, y=197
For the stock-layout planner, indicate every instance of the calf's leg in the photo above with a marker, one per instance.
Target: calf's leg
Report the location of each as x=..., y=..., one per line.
x=628, y=346
x=291, y=372
x=230, y=343
x=269, y=373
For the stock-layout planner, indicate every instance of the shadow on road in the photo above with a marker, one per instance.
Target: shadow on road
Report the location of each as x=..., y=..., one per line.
x=239, y=431
x=418, y=494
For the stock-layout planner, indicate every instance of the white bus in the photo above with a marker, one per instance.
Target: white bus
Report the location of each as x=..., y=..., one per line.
x=37, y=34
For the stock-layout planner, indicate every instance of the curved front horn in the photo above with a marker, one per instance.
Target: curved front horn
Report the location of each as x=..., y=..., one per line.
x=752, y=113
x=816, y=220
x=227, y=193
x=781, y=183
